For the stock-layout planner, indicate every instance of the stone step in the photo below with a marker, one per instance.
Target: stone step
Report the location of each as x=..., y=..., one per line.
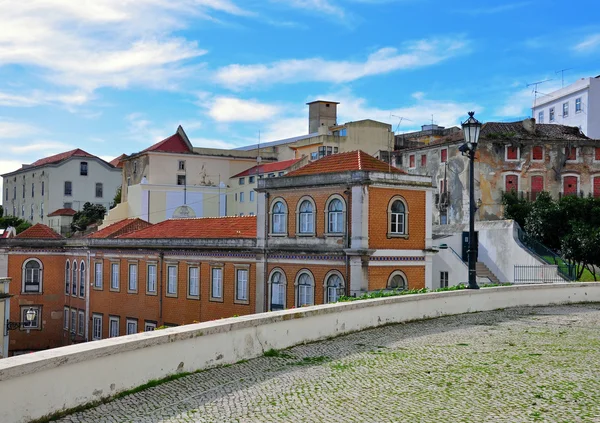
x=484, y=272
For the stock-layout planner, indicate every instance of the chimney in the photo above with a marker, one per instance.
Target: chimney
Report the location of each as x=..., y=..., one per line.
x=321, y=115
x=529, y=126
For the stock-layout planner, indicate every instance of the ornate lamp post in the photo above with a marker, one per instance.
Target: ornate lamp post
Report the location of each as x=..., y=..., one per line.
x=471, y=128
x=29, y=317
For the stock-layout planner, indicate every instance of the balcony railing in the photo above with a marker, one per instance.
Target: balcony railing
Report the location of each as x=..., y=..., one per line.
x=566, y=270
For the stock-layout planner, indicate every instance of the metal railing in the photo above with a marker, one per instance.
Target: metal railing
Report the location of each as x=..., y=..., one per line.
x=545, y=273
x=566, y=270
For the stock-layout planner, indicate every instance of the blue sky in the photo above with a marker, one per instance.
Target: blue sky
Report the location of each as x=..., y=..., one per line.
x=113, y=76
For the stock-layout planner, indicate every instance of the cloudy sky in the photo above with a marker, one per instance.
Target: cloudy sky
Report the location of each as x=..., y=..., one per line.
x=114, y=76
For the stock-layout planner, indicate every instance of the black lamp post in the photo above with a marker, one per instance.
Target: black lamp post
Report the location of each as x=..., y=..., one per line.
x=471, y=128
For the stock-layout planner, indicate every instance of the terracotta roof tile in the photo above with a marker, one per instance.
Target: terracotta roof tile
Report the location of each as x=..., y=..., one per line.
x=39, y=231
x=63, y=212
x=268, y=167
x=207, y=227
x=173, y=144
x=118, y=161
x=121, y=227
x=57, y=158
x=345, y=162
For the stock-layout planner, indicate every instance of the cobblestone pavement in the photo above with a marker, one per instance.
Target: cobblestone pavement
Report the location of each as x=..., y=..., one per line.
x=515, y=365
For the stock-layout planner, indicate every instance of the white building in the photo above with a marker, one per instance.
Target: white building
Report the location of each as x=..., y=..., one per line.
x=577, y=104
x=63, y=181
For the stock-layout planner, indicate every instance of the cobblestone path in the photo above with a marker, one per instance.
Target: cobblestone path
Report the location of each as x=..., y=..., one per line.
x=516, y=365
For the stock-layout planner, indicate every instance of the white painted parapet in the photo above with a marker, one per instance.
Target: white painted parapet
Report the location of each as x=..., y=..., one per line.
x=39, y=384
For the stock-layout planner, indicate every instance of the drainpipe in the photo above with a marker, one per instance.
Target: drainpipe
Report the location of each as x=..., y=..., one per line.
x=348, y=193
x=87, y=296
x=160, y=296
x=265, y=253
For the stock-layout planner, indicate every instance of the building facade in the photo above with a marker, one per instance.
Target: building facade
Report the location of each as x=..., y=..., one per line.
x=576, y=105
x=343, y=225
x=64, y=181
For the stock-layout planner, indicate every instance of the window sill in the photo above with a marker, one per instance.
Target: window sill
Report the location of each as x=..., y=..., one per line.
x=216, y=300
x=193, y=297
x=334, y=235
x=151, y=293
x=98, y=288
x=402, y=236
x=305, y=235
x=242, y=302
x=32, y=293
x=170, y=295
x=114, y=290
x=278, y=235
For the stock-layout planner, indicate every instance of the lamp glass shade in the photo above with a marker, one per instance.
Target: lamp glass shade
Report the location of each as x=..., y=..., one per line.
x=471, y=128
x=30, y=315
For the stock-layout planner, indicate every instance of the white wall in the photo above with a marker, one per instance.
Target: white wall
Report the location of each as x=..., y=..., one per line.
x=66, y=377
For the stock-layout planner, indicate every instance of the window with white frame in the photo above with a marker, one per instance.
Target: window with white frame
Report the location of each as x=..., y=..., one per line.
x=251, y=179
x=551, y=114
x=335, y=216
x=114, y=276
x=67, y=277
x=113, y=326
x=171, y=280
x=73, y=320
x=96, y=326
x=242, y=197
x=541, y=116
x=241, y=285
x=278, y=218
x=74, y=279
x=35, y=323
x=82, y=279
x=32, y=276
x=132, y=282
x=194, y=282
x=66, y=318
x=149, y=326
x=242, y=181
x=305, y=290
x=335, y=288
x=252, y=196
x=98, y=275
x=131, y=326
x=578, y=105
x=397, y=217
x=443, y=279
x=277, y=291
x=216, y=284
x=151, y=279
x=397, y=281
x=81, y=323
x=565, y=109
x=306, y=218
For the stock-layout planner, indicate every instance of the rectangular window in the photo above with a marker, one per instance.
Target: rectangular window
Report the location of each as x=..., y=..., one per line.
x=335, y=149
x=133, y=277
x=321, y=151
x=6, y=194
x=99, y=190
x=512, y=153
x=23, y=190
x=241, y=197
x=578, y=105
x=66, y=318
x=42, y=188
x=329, y=151
x=14, y=193
x=411, y=160
x=551, y=114
x=113, y=326
x=314, y=155
x=68, y=188
x=114, y=276
x=181, y=165
x=33, y=323
x=444, y=155
x=149, y=326
x=571, y=153
x=251, y=196
x=73, y=320
x=541, y=117
x=180, y=179
x=67, y=205
x=251, y=179
x=241, y=285
x=193, y=282
x=131, y=326
x=271, y=175
x=281, y=174
x=42, y=209
x=151, y=282
x=597, y=154
x=242, y=181
x=96, y=326
x=98, y=275
x=443, y=279
x=216, y=286
x=537, y=152
x=423, y=160
x=172, y=280
x=32, y=190
x=565, y=109
x=81, y=323
x=83, y=169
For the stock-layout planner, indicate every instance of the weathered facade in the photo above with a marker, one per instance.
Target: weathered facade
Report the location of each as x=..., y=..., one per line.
x=519, y=156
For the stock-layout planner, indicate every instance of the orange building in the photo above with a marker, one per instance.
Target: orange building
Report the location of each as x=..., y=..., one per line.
x=343, y=225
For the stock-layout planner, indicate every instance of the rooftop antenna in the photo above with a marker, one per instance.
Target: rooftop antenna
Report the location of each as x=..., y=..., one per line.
x=535, y=91
x=562, y=76
x=400, y=121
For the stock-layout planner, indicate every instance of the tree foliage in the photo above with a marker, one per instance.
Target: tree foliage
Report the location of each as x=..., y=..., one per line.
x=516, y=208
x=90, y=214
x=1, y=211
x=117, y=198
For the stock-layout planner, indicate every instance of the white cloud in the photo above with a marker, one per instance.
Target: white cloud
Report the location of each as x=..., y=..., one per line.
x=285, y=128
x=590, y=43
x=16, y=130
x=231, y=109
x=518, y=103
x=319, y=6
x=43, y=146
x=492, y=10
x=35, y=98
x=416, y=54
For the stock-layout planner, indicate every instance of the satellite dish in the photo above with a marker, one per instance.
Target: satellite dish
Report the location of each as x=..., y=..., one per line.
x=184, y=212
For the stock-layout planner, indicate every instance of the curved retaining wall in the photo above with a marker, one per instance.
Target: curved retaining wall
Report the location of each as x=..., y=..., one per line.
x=36, y=385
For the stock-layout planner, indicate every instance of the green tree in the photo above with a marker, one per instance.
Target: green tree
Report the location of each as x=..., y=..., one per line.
x=90, y=214
x=516, y=208
x=544, y=223
x=580, y=246
x=117, y=198
x=1, y=211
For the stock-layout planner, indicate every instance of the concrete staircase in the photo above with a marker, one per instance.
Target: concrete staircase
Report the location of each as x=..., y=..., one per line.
x=484, y=272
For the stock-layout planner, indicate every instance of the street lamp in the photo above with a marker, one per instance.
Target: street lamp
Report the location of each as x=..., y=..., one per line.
x=471, y=128
x=29, y=317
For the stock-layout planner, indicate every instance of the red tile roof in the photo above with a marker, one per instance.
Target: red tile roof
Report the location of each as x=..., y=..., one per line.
x=345, y=162
x=267, y=167
x=207, y=227
x=39, y=231
x=118, y=161
x=62, y=212
x=121, y=227
x=176, y=143
x=57, y=158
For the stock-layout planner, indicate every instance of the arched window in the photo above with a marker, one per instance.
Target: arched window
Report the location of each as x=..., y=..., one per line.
x=81, y=279
x=335, y=216
x=305, y=290
x=277, y=291
x=397, y=217
x=306, y=218
x=397, y=281
x=334, y=288
x=278, y=218
x=32, y=276
x=67, y=278
x=74, y=280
